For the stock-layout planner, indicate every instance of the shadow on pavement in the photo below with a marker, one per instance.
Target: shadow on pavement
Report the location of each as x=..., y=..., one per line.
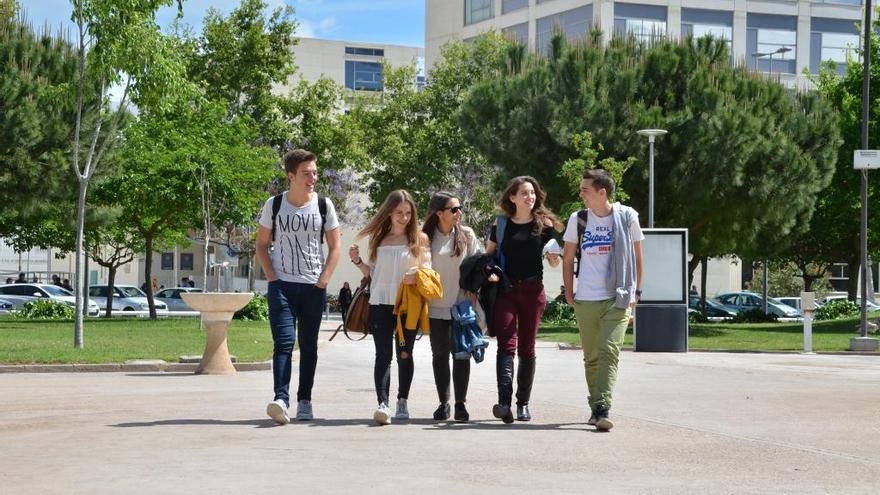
x=259, y=423
x=500, y=426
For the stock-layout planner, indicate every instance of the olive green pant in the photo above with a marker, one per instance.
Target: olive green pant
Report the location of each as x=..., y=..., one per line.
x=602, y=328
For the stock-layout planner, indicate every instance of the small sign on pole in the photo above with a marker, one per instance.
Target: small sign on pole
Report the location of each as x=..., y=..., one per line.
x=866, y=159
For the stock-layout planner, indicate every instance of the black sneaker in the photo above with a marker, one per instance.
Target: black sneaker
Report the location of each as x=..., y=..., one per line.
x=593, y=419
x=602, y=421
x=461, y=413
x=503, y=412
x=442, y=412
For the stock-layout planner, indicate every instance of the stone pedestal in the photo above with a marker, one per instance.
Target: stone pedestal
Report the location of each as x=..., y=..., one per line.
x=863, y=344
x=217, y=309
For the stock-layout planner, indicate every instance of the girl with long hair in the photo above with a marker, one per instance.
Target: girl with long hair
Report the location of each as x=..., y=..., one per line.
x=451, y=242
x=395, y=247
x=524, y=228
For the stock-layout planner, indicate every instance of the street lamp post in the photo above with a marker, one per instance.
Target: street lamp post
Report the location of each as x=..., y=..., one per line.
x=651, y=133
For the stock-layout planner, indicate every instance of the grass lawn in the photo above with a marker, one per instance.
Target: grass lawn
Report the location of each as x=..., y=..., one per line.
x=831, y=335
x=117, y=340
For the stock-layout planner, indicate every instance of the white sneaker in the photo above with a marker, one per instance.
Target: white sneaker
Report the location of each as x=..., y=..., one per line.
x=304, y=411
x=402, y=410
x=277, y=410
x=382, y=416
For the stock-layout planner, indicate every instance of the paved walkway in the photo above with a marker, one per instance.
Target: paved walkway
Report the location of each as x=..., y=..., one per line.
x=686, y=423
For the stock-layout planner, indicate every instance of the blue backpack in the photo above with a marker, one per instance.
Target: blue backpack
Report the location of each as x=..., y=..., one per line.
x=467, y=337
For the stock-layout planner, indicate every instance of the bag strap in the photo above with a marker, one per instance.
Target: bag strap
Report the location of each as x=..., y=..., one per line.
x=582, y=217
x=500, y=225
x=276, y=207
x=322, y=208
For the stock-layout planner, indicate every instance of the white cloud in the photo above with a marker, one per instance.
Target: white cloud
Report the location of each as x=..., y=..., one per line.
x=327, y=24
x=304, y=29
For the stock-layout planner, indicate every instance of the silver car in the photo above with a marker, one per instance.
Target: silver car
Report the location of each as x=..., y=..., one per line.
x=171, y=297
x=5, y=306
x=19, y=294
x=125, y=298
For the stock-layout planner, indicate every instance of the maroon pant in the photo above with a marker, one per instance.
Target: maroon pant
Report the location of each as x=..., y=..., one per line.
x=517, y=316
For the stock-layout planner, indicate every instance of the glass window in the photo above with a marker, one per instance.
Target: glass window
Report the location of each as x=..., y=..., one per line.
x=372, y=52
x=186, y=261
x=644, y=30
x=97, y=291
x=131, y=292
x=518, y=33
x=771, y=40
x=573, y=23
x=478, y=10
x=363, y=76
x=839, y=47
x=168, y=261
x=511, y=5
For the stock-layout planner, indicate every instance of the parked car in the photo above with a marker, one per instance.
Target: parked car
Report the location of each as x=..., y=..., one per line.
x=795, y=302
x=23, y=293
x=746, y=301
x=171, y=297
x=713, y=308
x=5, y=306
x=871, y=306
x=125, y=298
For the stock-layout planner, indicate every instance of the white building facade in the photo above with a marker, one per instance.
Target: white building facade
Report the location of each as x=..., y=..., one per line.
x=800, y=34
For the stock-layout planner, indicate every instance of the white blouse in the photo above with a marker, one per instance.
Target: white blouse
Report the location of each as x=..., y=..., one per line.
x=392, y=263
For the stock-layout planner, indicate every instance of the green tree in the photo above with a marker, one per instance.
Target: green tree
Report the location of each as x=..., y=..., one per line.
x=116, y=43
x=742, y=156
x=414, y=138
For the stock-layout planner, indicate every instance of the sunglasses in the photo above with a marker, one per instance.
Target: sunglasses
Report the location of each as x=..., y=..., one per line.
x=453, y=209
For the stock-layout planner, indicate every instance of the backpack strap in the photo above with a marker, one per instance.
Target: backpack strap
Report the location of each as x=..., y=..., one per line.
x=322, y=208
x=500, y=225
x=276, y=206
x=582, y=217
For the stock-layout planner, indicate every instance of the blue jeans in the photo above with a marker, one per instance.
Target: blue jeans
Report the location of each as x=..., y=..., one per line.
x=290, y=302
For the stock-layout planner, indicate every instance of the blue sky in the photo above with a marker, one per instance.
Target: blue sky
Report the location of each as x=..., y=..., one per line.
x=399, y=22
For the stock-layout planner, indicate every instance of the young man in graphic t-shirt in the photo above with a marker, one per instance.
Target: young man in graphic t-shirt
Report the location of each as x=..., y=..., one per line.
x=607, y=284
x=298, y=275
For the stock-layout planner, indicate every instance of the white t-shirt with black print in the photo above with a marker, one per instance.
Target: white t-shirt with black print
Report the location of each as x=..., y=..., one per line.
x=298, y=255
x=596, y=254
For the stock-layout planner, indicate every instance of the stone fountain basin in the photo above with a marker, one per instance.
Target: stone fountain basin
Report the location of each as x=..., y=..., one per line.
x=217, y=305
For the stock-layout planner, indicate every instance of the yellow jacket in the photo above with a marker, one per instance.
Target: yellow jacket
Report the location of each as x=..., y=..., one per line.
x=412, y=301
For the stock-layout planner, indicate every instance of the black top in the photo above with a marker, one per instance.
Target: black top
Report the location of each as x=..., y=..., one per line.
x=522, y=250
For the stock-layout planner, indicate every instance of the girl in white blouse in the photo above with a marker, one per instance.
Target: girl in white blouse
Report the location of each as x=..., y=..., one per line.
x=396, y=246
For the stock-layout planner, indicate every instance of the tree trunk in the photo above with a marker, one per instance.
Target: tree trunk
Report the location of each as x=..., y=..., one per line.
x=111, y=279
x=79, y=297
x=205, y=267
x=692, y=265
x=853, y=282
x=808, y=283
x=704, y=269
x=148, y=274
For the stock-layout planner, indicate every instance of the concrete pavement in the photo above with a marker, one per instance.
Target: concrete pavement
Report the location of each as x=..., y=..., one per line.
x=685, y=423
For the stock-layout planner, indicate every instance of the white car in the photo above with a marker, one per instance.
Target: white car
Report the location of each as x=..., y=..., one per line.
x=125, y=298
x=171, y=297
x=19, y=294
x=5, y=306
x=871, y=306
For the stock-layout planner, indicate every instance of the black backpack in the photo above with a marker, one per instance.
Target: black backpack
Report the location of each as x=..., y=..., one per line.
x=582, y=217
x=276, y=207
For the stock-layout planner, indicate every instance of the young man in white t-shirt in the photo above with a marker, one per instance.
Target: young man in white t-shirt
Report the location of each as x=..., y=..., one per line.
x=298, y=275
x=608, y=284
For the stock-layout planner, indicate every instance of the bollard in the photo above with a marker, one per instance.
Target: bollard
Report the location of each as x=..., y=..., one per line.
x=808, y=331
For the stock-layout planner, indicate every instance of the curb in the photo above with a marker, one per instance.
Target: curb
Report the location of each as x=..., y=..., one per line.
x=153, y=366
x=575, y=347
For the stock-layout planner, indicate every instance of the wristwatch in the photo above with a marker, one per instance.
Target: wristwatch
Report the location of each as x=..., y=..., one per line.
x=638, y=292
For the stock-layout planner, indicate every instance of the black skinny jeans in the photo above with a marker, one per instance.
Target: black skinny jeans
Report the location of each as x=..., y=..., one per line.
x=383, y=323
x=441, y=349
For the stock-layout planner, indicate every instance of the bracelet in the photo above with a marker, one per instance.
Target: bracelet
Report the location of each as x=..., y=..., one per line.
x=358, y=262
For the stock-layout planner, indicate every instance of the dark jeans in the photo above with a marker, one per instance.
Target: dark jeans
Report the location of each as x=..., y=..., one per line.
x=441, y=349
x=517, y=315
x=290, y=302
x=383, y=323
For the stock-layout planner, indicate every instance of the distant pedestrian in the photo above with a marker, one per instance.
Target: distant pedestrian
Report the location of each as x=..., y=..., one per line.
x=56, y=280
x=344, y=299
x=184, y=282
x=9, y=280
x=694, y=290
x=22, y=278
x=66, y=285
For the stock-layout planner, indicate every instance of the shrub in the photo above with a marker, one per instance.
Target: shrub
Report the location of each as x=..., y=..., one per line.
x=257, y=309
x=754, y=316
x=46, y=309
x=558, y=313
x=839, y=308
x=697, y=317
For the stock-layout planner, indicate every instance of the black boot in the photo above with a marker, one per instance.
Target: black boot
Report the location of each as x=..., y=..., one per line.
x=525, y=377
x=504, y=373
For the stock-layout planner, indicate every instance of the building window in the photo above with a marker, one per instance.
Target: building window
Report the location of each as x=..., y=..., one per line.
x=363, y=76
x=370, y=52
x=647, y=23
x=478, y=10
x=518, y=33
x=835, y=40
x=768, y=34
x=511, y=5
x=575, y=24
x=715, y=23
x=186, y=261
x=168, y=261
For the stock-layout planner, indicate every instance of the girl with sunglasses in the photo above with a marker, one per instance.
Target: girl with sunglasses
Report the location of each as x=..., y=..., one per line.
x=451, y=242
